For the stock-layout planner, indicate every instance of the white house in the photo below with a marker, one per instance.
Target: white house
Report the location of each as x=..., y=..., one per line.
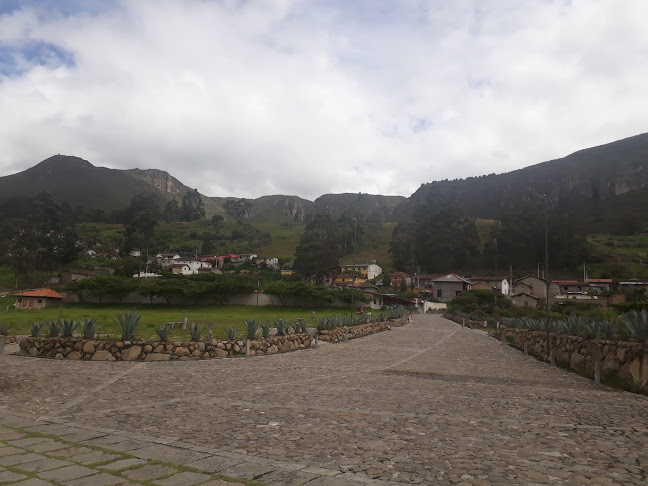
x=191, y=263
x=367, y=270
x=272, y=262
x=500, y=283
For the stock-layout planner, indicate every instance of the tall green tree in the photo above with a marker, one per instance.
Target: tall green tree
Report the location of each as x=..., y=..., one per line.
x=193, y=207
x=439, y=238
x=172, y=211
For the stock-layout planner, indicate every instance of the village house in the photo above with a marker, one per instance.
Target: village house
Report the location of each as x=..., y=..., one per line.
x=599, y=284
x=347, y=279
x=524, y=299
x=272, y=262
x=449, y=286
x=423, y=280
x=69, y=276
x=181, y=269
x=397, y=279
x=538, y=288
x=632, y=284
x=499, y=283
x=37, y=299
x=368, y=270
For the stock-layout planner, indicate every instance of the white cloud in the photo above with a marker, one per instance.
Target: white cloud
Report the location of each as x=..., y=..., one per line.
x=253, y=98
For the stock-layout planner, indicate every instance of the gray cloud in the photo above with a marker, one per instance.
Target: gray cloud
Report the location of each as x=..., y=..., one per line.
x=293, y=97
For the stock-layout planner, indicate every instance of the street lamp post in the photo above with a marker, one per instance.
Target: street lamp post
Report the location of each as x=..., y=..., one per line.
x=355, y=235
x=546, y=275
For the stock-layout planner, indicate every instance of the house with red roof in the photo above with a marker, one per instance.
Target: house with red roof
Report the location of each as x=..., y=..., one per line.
x=37, y=299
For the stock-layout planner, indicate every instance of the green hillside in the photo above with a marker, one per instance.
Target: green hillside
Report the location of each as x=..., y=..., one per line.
x=76, y=182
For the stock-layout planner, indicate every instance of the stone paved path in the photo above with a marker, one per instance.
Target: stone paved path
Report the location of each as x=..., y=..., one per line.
x=429, y=403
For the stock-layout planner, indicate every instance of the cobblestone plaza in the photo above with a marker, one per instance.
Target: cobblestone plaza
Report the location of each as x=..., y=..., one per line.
x=428, y=403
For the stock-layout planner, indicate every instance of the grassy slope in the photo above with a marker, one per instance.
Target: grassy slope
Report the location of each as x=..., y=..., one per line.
x=619, y=255
x=153, y=315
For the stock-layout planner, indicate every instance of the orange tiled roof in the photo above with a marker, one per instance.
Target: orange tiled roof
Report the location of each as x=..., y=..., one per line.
x=45, y=293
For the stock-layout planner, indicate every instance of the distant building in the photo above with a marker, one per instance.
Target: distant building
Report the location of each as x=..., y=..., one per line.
x=37, y=299
x=525, y=300
x=449, y=286
x=368, y=270
x=499, y=283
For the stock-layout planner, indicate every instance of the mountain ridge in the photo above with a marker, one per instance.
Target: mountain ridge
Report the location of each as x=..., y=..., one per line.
x=592, y=176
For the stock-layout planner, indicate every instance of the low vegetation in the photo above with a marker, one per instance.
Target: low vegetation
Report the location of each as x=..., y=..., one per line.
x=630, y=326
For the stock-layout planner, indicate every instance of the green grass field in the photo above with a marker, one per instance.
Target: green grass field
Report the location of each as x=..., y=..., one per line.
x=154, y=315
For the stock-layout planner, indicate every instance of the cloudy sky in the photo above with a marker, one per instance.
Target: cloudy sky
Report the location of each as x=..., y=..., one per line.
x=252, y=97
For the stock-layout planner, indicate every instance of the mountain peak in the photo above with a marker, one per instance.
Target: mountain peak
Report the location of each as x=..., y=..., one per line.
x=63, y=162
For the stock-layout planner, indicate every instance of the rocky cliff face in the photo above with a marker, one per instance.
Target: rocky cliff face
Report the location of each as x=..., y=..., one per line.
x=377, y=207
x=584, y=177
x=279, y=208
x=161, y=180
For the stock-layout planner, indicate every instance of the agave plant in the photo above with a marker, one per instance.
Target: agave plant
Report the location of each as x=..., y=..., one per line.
x=230, y=333
x=251, y=328
x=637, y=324
x=397, y=312
x=53, y=329
x=299, y=326
x=35, y=328
x=89, y=328
x=265, y=329
x=127, y=324
x=195, y=331
x=163, y=332
x=574, y=325
x=281, y=325
x=68, y=326
x=600, y=329
x=4, y=328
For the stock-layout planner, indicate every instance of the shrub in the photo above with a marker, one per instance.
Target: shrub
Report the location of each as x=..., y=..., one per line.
x=68, y=326
x=127, y=324
x=299, y=326
x=282, y=326
x=195, y=331
x=89, y=328
x=637, y=324
x=265, y=329
x=53, y=329
x=251, y=328
x=4, y=328
x=574, y=324
x=395, y=312
x=163, y=332
x=36, y=328
x=230, y=333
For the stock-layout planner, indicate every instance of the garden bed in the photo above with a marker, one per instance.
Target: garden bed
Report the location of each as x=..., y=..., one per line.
x=76, y=348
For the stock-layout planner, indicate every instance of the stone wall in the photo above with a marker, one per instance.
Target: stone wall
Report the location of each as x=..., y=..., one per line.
x=96, y=350
x=625, y=361
x=463, y=321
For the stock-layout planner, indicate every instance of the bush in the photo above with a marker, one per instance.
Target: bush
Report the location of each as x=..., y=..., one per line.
x=53, y=329
x=163, y=332
x=4, y=328
x=265, y=329
x=195, y=331
x=35, y=328
x=230, y=333
x=299, y=326
x=251, y=328
x=89, y=328
x=636, y=324
x=68, y=326
x=282, y=326
x=127, y=324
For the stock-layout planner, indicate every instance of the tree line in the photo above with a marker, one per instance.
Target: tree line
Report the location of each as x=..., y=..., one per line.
x=219, y=289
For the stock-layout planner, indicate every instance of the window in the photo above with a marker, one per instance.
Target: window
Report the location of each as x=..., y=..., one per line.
x=40, y=301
